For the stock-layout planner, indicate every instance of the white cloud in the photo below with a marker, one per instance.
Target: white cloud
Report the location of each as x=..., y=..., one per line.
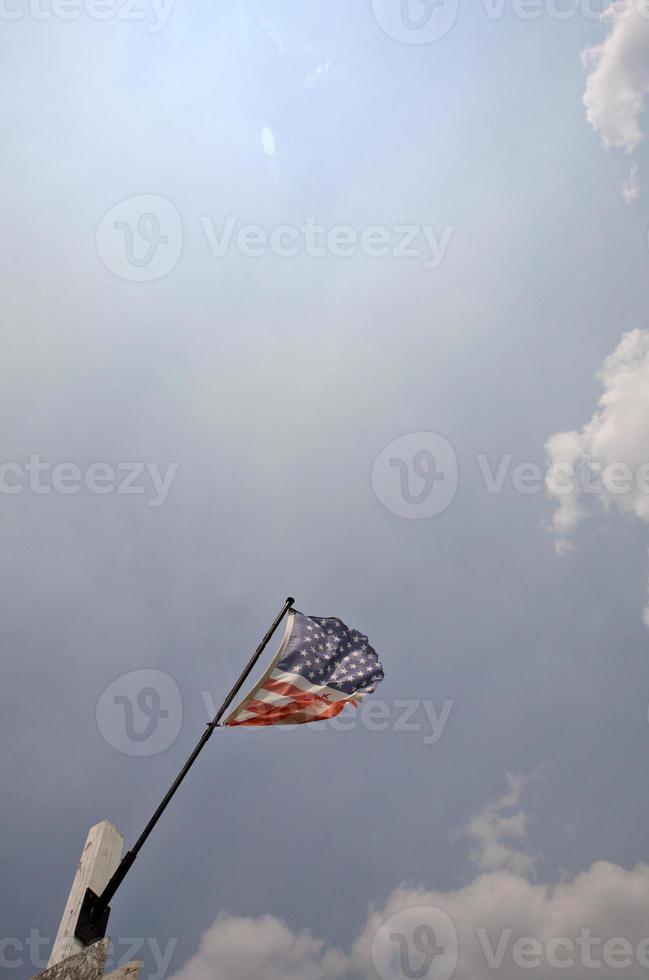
x=618, y=82
x=619, y=79
x=609, y=459
x=508, y=927
x=237, y=948
x=504, y=923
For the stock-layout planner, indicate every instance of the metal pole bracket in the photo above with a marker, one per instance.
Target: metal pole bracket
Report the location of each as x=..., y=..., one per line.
x=91, y=927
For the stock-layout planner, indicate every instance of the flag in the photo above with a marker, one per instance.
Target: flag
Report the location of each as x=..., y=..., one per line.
x=322, y=666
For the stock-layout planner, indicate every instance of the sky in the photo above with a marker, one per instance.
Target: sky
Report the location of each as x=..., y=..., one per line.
x=345, y=302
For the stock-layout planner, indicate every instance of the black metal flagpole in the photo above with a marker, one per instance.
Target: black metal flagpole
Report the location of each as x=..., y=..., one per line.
x=95, y=909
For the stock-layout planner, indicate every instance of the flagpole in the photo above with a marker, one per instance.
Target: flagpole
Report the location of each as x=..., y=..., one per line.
x=93, y=917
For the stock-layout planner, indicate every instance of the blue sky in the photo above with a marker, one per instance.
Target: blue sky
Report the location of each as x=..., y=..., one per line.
x=265, y=387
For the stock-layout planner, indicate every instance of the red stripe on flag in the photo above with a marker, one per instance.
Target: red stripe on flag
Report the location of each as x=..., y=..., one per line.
x=302, y=700
x=268, y=714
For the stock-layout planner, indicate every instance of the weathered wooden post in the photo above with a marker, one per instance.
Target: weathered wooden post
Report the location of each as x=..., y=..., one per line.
x=70, y=959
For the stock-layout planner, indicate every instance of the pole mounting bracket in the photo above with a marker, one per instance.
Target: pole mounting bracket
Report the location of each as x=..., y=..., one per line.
x=91, y=927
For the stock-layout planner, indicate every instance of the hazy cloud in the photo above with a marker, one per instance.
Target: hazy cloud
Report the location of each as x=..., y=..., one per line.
x=495, y=829
x=631, y=186
x=612, y=449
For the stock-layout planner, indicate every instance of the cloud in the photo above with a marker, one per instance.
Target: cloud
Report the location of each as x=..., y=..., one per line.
x=631, y=186
x=237, y=948
x=507, y=926
x=496, y=827
x=564, y=451
x=608, y=460
x=618, y=80
x=499, y=924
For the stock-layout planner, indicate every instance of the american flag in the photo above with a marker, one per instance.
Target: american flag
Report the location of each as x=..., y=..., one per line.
x=322, y=666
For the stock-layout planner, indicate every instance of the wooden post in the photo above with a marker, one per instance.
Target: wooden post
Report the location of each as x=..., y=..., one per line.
x=99, y=860
x=70, y=959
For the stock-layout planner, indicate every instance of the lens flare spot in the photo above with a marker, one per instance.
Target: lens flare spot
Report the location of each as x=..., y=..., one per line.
x=268, y=142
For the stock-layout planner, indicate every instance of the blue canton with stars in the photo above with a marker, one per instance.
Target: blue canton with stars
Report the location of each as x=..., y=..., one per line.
x=325, y=651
